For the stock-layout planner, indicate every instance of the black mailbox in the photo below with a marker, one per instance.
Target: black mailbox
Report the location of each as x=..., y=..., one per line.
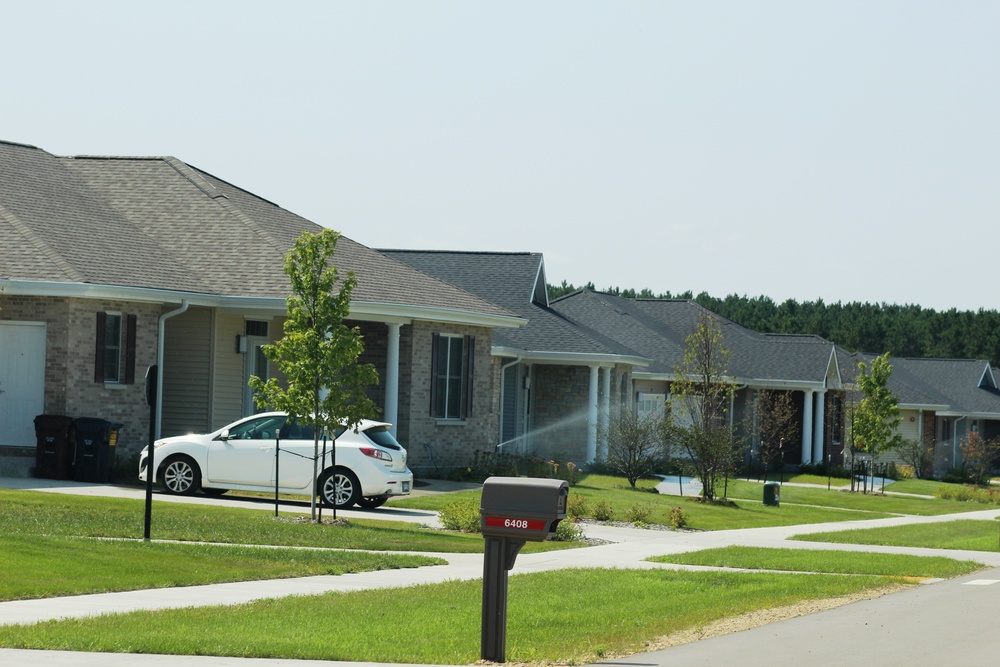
x=522, y=509
x=513, y=510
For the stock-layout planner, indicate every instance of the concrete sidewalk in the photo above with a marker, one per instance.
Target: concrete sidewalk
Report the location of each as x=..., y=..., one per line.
x=626, y=548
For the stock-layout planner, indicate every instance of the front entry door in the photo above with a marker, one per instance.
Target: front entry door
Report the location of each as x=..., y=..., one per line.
x=255, y=364
x=22, y=381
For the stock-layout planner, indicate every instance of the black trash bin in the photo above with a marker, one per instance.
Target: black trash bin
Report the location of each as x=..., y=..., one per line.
x=54, y=447
x=772, y=494
x=95, y=448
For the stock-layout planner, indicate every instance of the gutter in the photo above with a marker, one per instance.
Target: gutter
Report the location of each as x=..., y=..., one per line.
x=400, y=313
x=160, y=332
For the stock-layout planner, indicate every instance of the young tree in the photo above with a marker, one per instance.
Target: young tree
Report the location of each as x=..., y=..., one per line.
x=698, y=424
x=318, y=355
x=978, y=456
x=877, y=414
x=635, y=444
x=773, y=423
x=919, y=455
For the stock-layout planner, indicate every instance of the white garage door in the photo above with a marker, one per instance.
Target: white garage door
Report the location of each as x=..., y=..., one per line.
x=22, y=381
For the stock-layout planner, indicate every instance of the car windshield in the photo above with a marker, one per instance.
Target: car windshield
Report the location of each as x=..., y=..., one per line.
x=381, y=436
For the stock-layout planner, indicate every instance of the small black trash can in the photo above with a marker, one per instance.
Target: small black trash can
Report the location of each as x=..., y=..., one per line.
x=95, y=448
x=772, y=494
x=54, y=447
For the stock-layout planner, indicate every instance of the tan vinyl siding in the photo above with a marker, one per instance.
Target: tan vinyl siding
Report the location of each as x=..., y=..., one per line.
x=227, y=403
x=187, y=373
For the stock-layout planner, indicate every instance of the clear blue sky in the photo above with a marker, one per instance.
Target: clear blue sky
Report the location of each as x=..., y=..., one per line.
x=844, y=150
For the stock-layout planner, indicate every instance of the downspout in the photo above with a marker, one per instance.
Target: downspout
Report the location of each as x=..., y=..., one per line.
x=160, y=333
x=502, y=383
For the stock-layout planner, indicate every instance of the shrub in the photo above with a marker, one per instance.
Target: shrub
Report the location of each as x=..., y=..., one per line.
x=637, y=514
x=969, y=494
x=906, y=471
x=461, y=515
x=577, y=507
x=568, y=531
x=603, y=511
x=677, y=519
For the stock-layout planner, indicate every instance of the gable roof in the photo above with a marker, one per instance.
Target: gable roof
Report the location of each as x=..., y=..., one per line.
x=156, y=228
x=657, y=328
x=516, y=282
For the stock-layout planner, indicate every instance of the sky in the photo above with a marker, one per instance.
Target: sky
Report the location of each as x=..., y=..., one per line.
x=844, y=150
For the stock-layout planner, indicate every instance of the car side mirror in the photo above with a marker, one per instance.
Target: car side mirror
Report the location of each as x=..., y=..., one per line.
x=224, y=435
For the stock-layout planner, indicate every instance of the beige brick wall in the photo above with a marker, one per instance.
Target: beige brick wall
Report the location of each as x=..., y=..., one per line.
x=71, y=328
x=455, y=442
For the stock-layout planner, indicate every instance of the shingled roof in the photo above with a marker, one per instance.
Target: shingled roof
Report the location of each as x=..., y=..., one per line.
x=158, y=223
x=657, y=328
x=516, y=281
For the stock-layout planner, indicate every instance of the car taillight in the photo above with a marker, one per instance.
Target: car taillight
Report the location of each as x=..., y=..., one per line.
x=376, y=453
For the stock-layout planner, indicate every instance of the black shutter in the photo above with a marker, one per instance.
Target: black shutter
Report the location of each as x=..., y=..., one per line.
x=435, y=337
x=130, y=349
x=102, y=319
x=470, y=368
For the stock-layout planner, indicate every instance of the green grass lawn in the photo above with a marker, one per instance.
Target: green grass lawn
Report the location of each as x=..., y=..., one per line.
x=825, y=561
x=968, y=535
x=799, y=505
x=47, y=566
x=40, y=513
x=552, y=617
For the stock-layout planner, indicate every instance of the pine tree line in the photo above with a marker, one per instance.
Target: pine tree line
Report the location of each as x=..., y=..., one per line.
x=902, y=331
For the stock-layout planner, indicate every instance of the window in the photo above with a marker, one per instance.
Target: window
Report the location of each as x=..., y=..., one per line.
x=452, y=362
x=114, y=358
x=256, y=328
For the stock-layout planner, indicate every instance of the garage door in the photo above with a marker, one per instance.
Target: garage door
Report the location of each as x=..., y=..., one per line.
x=22, y=381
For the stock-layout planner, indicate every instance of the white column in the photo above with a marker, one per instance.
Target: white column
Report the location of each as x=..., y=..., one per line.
x=818, y=429
x=605, y=409
x=592, y=416
x=807, y=426
x=391, y=414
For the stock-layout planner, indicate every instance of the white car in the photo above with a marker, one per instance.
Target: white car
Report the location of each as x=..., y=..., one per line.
x=370, y=465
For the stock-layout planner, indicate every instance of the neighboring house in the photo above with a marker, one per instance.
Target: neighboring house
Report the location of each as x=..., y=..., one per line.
x=109, y=264
x=556, y=381
x=942, y=401
x=657, y=329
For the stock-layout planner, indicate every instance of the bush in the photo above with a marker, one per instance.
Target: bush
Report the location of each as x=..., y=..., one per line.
x=677, y=519
x=577, y=507
x=568, y=531
x=603, y=511
x=969, y=494
x=637, y=514
x=462, y=515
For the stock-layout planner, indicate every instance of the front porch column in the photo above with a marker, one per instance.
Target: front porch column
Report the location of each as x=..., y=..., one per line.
x=807, y=426
x=819, y=426
x=592, y=416
x=605, y=409
x=392, y=378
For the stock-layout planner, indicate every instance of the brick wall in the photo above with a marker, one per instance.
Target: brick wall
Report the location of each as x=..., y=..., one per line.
x=560, y=402
x=69, y=361
x=454, y=441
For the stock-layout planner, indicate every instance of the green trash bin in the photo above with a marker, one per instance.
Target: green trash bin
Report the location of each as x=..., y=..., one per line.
x=772, y=494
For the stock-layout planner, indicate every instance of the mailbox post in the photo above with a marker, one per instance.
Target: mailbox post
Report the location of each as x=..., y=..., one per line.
x=513, y=510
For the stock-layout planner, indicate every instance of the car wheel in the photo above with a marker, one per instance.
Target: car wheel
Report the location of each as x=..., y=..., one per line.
x=181, y=476
x=214, y=493
x=371, y=502
x=339, y=488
